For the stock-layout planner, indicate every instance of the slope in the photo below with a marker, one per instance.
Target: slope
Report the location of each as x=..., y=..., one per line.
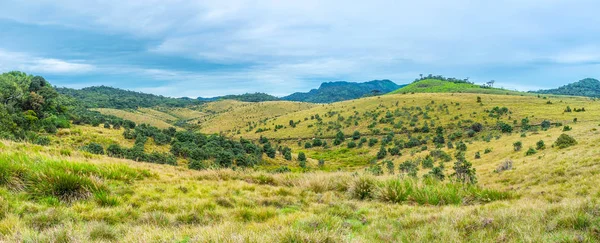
x=586, y=87
x=339, y=91
x=440, y=86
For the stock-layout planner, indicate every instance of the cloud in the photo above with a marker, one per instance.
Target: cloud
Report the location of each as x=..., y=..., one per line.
x=28, y=63
x=215, y=47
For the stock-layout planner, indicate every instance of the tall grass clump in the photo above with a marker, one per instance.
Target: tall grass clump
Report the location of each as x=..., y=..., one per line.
x=396, y=190
x=68, y=181
x=363, y=188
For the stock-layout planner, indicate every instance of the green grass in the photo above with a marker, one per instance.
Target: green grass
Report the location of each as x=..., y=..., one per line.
x=68, y=181
x=439, y=86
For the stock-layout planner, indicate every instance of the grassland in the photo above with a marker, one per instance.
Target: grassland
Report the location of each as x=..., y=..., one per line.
x=146, y=202
x=439, y=86
x=548, y=196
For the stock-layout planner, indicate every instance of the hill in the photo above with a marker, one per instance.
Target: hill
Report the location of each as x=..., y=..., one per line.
x=247, y=97
x=339, y=91
x=545, y=194
x=586, y=87
x=109, y=97
x=442, y=86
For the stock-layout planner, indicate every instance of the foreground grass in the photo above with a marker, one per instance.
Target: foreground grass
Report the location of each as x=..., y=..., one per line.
x=139, y=202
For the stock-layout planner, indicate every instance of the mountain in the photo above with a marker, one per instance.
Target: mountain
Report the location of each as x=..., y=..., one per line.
x=247, y=97
x=109, y=97
x=434, y=85
x=586, y=87
x=339, y=91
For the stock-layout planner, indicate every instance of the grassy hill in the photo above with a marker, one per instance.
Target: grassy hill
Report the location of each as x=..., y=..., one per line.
x=586, y=87
x=339, y=91
x=440, y=86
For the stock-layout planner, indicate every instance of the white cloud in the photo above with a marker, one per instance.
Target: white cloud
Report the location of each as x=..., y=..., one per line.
x=280, y=45
x=25, y=62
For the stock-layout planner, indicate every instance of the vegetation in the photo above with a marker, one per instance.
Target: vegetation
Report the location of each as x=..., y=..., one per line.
x=248, y=97
x=436, y=85
x=586, y=87
x=346, y=171
x=340, y=91
x=108, y=97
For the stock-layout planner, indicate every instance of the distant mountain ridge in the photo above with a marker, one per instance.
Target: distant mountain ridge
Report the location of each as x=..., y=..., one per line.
x=330, y=92
x=247, y=97
x=586, y=87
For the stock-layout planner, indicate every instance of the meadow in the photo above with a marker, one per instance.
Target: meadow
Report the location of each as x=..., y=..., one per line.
x=346, y=190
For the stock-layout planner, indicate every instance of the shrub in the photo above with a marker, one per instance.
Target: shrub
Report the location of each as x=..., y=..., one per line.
x=487, y=151
x=477, y=155
x=321, y=163
x=375, y=170
x=464, y=172
x=114, y=150
x=437, y=172
x=565, y=141
x=382, y=153
x=461, y=146
x=351, y=144
x=530, y=151
x=363, y=188
x=408, y=167
x=505, y=128
x=356, y=135
x=540, y=145
x=372, y=142
x=517, y=145
x=567, y=128
x=42, y=140
x=307, y=145
x=196, y=165
x=302, y=160
x=93, y=148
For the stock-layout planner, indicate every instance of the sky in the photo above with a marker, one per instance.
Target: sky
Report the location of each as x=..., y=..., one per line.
x=209, y=48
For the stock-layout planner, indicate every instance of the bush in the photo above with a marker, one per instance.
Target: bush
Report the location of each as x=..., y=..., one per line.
x=42, y=140
x=114, y=150
x=382, y=153
x=567, y=128
x=196, y=165
x=565, y=141
x=351, y=144
x=363, y=188
x=94, y=148
x=517, y=145
x=540, y=145
x=530, y=151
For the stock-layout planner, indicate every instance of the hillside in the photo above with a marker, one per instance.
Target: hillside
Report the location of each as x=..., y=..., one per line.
x=248, y=97
x=548, y=195
x=468, y=167
x=441, y=86
x=340, y=91
x=109, y=97
x=586, y=87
